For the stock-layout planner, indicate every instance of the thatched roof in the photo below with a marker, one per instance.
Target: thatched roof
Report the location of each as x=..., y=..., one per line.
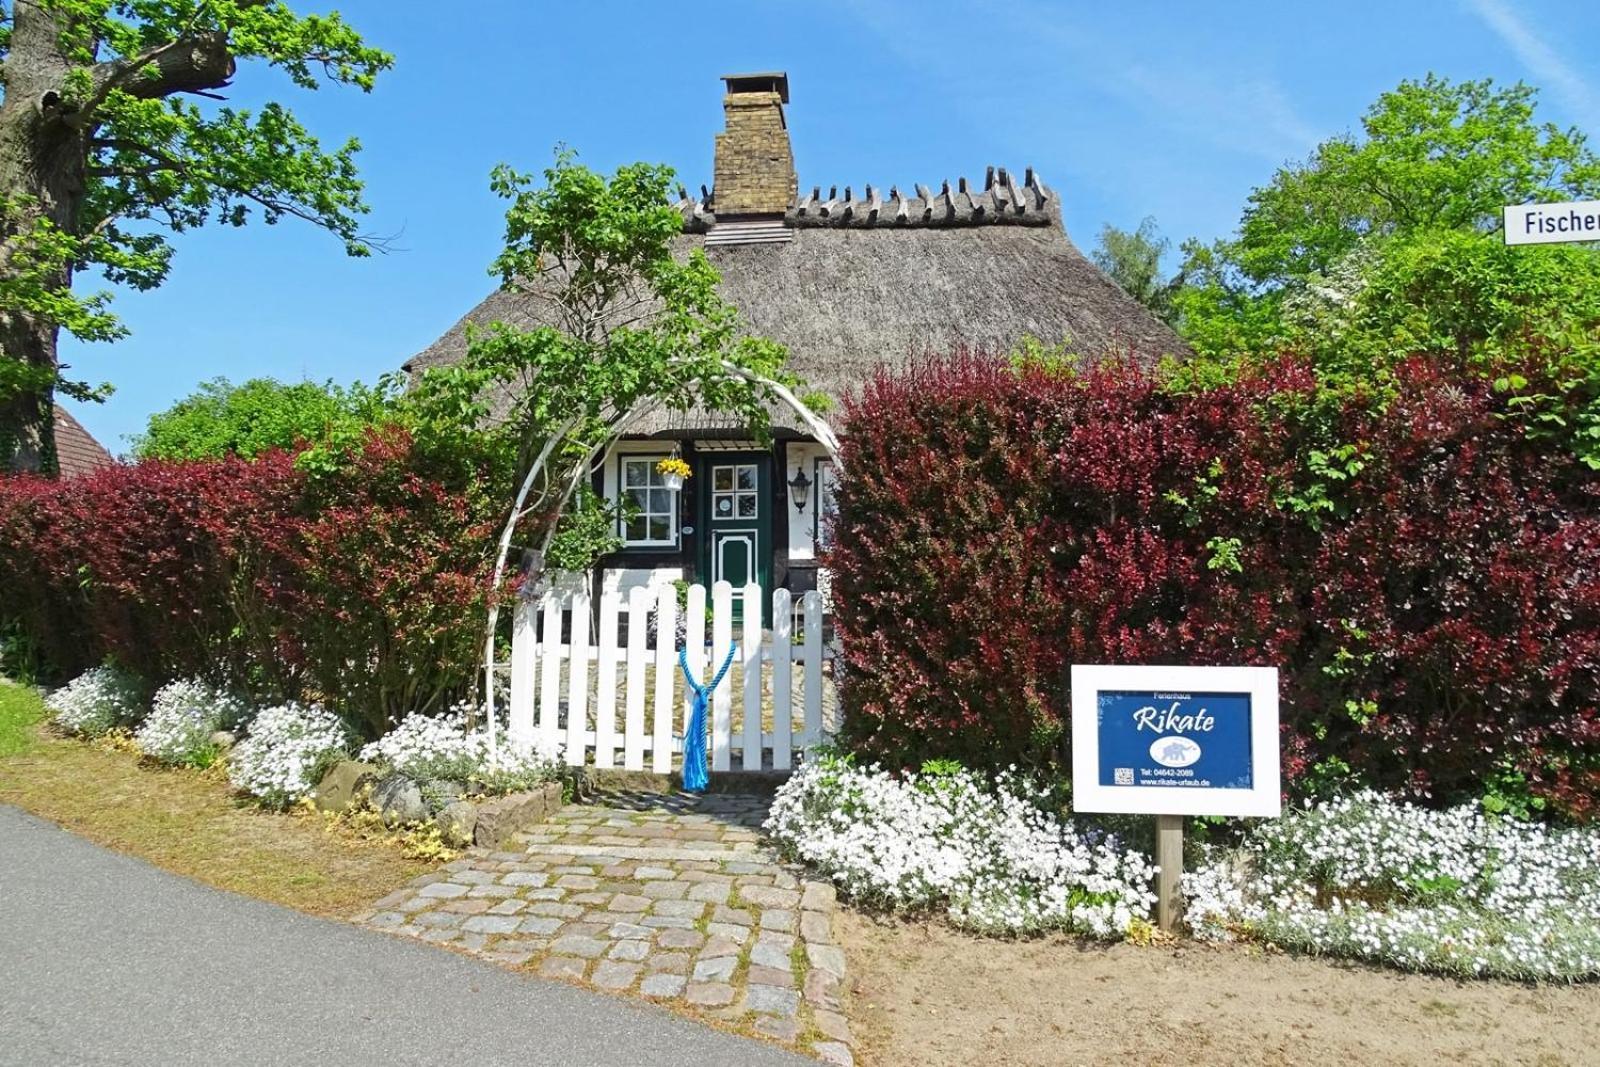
x=77, y=452
x=860, y=282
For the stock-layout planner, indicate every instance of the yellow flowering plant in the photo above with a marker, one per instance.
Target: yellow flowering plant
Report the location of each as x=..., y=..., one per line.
x=673, y=465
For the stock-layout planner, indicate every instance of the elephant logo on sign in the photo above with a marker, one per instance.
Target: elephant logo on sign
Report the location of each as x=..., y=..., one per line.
x=1174, y=751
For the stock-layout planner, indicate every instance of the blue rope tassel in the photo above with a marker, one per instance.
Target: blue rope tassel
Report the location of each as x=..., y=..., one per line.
x=695, y=777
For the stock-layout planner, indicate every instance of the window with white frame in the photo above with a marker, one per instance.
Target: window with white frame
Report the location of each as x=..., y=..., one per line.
x=651, y=516
x=823, y=511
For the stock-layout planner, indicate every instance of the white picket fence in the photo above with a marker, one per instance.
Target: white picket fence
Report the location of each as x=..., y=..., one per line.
x=554, y=701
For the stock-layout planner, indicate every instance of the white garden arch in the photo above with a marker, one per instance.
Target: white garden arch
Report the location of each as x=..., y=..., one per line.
x=815, y=424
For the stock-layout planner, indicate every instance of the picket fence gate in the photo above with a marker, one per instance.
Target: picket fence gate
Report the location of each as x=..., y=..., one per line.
x=553, y=701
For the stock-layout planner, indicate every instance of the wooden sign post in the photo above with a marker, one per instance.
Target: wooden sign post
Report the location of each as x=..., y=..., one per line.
x=1173, y=742
x=1169, y=857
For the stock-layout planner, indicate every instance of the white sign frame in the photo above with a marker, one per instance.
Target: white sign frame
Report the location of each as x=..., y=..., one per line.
x=1263, y=800
x=1550, y=224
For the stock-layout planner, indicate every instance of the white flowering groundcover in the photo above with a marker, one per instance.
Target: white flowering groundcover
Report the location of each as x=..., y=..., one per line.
x=1451, y=892
x=441, y=747
x=287, y=748
x=182, y=720
x=97, y=701
x=984, y=852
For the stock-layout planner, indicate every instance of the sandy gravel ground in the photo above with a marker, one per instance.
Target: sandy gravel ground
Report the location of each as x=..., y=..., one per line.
x=925, y=995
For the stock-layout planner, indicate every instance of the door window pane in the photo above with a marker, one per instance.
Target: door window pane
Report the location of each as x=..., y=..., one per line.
x=734, y=492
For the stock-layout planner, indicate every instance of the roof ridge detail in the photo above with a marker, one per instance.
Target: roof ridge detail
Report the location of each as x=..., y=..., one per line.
x=1001, y=202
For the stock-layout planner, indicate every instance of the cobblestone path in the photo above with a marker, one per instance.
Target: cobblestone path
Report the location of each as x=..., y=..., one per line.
x=670, y=897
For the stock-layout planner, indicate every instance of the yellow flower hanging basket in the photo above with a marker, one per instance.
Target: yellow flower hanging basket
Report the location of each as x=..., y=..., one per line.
x=673, y=471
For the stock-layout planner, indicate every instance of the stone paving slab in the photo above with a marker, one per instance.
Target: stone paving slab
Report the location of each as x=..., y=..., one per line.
x=672, y=897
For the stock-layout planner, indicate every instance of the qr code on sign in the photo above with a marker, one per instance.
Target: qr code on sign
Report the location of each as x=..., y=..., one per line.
x=1123, y=776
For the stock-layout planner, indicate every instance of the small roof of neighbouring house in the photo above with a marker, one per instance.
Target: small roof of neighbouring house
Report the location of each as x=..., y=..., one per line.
x=77, y=452
x=851, y=281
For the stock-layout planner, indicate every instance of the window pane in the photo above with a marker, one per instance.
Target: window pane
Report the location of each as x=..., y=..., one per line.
x=747, y=477
x=660, y=528
x=660, y=502
x=722, y=478
x=638, y=498
x=747, y=505
x=725, y=507
x=823, y=515
x=635, y=530
x=635, y=472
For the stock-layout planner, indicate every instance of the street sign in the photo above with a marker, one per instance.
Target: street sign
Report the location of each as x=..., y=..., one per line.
x=1544, y=224
x=1175, y=740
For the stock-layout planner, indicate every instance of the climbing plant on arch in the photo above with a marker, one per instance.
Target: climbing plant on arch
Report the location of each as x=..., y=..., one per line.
x=626, y=329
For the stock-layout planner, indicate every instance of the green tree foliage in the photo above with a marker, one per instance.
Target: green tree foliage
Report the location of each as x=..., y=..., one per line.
x=1132, y=259
x=222, y=419
x=110, y=139
x=588, y=530
x=1433, y=157
x=629, y=329
x=1388, y=243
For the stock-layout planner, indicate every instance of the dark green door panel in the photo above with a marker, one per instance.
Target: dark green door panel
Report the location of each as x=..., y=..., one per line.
x=735, y=504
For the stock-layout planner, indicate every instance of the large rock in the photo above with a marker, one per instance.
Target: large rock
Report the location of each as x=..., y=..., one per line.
x=342, y=785
x=457, y=821
x=399, y=801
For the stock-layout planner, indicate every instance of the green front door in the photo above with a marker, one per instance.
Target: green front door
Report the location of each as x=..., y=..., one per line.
x=736, y=520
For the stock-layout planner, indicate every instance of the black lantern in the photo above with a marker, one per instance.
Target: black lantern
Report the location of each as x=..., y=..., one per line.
x=799, y=489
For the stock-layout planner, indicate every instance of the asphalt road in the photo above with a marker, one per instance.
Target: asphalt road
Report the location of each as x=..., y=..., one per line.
x=106, y=960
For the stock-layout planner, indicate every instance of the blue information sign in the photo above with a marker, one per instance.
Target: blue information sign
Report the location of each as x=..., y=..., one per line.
x=1176, y=740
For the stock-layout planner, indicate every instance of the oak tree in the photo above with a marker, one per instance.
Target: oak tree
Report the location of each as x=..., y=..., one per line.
x=110, y=139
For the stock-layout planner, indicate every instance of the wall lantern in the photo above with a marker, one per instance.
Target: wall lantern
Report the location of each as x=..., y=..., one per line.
x=799, y=489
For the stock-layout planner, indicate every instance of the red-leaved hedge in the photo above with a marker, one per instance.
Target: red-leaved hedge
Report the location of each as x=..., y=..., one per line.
x=1425, y=572
x=364, y=587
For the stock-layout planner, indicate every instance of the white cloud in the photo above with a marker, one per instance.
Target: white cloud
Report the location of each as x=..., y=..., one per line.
x=1544, y=62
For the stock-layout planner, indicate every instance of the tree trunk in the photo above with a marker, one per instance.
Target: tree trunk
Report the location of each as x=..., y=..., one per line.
x=43, y=166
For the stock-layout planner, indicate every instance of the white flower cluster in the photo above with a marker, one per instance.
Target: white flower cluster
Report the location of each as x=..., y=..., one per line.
x=987, y=853
x=1454, y=892
x=97, y=701
x=183, y=717
x=285, y=749
x=441, y=747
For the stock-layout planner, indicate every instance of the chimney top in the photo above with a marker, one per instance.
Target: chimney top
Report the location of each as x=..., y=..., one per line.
x=769, y=81
x=753, y=168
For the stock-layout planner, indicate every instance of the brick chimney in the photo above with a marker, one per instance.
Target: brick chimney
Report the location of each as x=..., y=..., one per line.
x=754, y=166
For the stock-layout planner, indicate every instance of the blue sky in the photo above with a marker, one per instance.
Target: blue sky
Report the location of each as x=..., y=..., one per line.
x=1127, y=109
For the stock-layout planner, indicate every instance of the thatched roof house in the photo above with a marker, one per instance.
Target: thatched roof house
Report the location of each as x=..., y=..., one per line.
x=847, y=281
